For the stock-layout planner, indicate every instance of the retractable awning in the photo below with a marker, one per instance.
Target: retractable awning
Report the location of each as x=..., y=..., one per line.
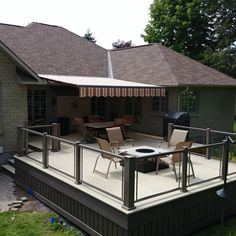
x=106, y=87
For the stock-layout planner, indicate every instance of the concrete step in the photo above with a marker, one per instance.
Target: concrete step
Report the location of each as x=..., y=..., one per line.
x=8, y=169
x=11, y=162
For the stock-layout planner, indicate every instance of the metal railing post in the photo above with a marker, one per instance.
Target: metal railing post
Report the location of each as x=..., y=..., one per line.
x=129, y=183
x=26, y=142
x=59, y=135
x=184, y=169
x=208, y=131
x=225, y=156
x=20, y=140
x=55, y=143
x=78, y=164
x=45, y=151
x=170, y=130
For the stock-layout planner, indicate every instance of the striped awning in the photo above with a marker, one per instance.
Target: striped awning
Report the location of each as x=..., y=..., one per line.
x=120, y=92
x=106, y=87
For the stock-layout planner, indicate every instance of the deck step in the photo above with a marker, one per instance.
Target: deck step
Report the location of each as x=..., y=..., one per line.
x=11, y=162
x=8, y=169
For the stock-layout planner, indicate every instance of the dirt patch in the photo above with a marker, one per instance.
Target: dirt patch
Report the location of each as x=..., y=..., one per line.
x=32, y=204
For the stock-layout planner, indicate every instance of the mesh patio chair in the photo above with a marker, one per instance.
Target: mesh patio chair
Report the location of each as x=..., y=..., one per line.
x=116, y=138
x=105, y=146
x=177, y=158
x=178, y=135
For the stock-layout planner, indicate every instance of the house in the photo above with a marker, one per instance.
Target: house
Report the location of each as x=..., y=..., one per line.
x=42, y=66
x=28, y=54
x=48, y=73
x=207, y=94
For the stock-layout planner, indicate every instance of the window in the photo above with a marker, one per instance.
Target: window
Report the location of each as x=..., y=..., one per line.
x=188, y=101
x=98, y=106
x=160, y=104
x=133, y=106
x=36, y=105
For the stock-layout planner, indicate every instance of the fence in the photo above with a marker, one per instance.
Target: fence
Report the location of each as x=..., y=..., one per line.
x=129, y=176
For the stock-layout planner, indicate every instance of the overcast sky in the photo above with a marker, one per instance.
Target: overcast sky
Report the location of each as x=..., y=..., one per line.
x=108, y=20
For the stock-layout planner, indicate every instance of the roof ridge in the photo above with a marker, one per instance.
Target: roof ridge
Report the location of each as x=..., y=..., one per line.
x=132, y=47
x=11, y=25
x=58, y=26
x=86, y=40
x=33, y=23
x=195, y=61
x=160, y=46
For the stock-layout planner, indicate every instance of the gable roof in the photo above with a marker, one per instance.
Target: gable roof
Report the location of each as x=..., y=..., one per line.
x=22, y=69
x=156, y=64
x=49, y=49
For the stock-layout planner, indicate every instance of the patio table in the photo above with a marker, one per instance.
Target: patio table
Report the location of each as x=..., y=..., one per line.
x=99, y=126
x=147, y=164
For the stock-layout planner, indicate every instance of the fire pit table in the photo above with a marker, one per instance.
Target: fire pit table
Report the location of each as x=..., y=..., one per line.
x=145, y=165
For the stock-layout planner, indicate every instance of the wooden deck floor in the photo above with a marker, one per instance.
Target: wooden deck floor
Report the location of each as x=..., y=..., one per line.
x=147, y=183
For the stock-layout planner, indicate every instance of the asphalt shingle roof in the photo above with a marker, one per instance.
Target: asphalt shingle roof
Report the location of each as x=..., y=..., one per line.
x=156, y=64
x=51, y=49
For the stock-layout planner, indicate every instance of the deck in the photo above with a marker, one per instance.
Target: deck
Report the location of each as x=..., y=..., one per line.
x=207, y=176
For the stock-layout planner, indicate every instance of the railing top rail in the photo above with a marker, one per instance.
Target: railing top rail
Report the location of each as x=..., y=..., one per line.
x=201, y=129
x=32, y=131
x=189, y=127
x=207, y=146
x=61, y=139
x=223, y=132
x=39, y=126
x=101, y=151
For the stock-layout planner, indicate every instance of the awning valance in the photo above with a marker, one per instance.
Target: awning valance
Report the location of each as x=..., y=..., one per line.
x=120, y=92
x=106, y=87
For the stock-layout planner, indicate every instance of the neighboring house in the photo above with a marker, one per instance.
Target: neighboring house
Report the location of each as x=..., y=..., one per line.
x=41, y=67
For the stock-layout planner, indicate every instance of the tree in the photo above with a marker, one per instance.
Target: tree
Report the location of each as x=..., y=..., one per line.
x=204, y=30
x=223, y=55
x=122, y=44
x=222, y=60
x=181, y=25
x=89, y=36
x=223, y=15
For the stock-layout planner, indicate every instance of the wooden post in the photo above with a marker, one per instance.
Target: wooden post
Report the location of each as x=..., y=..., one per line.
x=55, y=143
x=78, y=164
x=45, y=151
x=184, y=169
x=170, y=130
x=208, y=130
x=129, y=182
x=20, y=140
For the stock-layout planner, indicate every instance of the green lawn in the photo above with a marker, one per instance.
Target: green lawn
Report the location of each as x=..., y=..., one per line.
x=234, y=127
x=32, y=224
x=229, y=229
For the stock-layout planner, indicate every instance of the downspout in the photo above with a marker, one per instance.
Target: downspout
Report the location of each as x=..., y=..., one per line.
x=110, y=71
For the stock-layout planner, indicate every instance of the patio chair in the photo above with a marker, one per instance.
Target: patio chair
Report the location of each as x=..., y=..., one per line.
x=116, y=138
x=105, y=146
x=176, y=158
x=178, y=135
x=87, y=133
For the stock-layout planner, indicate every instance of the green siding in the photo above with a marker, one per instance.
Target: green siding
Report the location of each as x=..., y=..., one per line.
x=13, y=104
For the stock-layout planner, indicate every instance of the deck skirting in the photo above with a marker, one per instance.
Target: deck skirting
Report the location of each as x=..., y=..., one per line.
x=180, y=216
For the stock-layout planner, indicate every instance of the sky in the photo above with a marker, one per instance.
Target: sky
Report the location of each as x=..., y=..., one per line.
x=108, y=20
